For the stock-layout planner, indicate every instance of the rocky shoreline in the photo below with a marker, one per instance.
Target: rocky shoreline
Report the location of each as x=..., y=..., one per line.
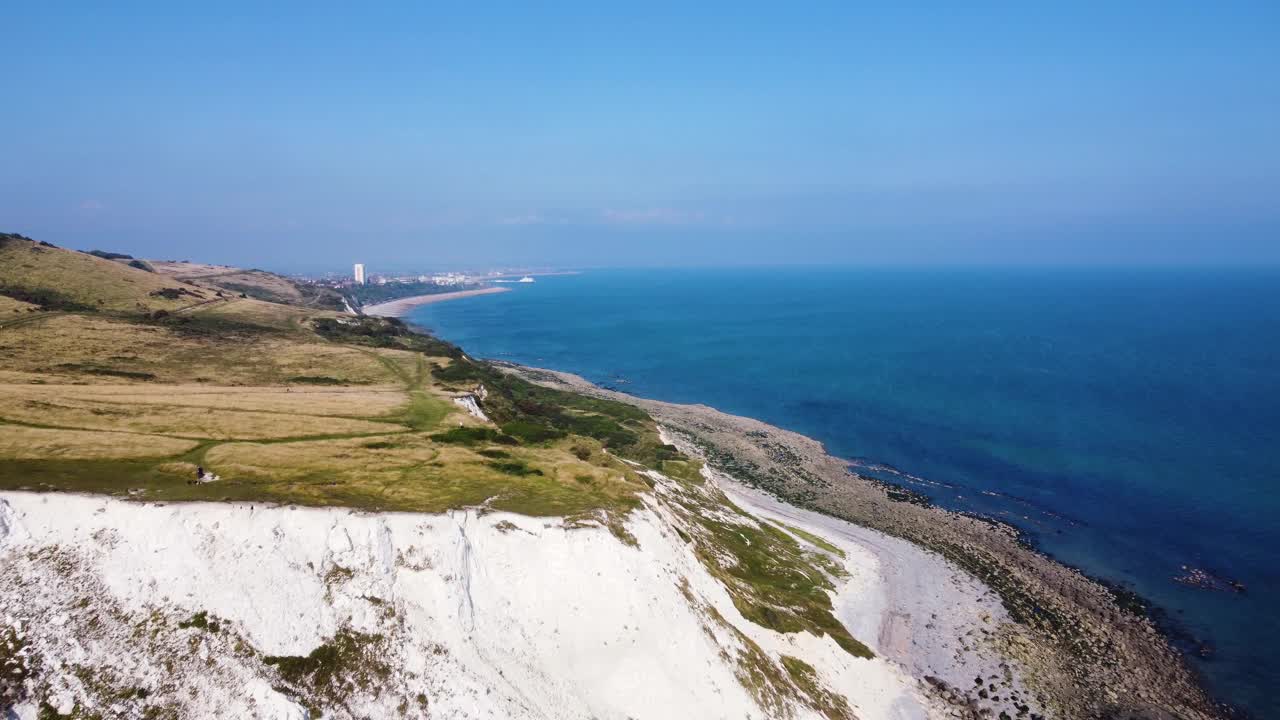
x=1087, y=651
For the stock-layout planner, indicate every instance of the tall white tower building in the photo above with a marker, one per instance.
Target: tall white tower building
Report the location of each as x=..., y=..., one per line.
x=359, y=273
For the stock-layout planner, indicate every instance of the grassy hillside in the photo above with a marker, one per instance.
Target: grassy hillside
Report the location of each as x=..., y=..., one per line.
x=9, y=306
x=258, y=284
x=57, y=279
x=116, y=379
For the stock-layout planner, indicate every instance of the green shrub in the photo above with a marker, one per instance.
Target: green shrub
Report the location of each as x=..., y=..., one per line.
x=174, y=293
x=46, y=299
x=458, y=373
x=350, y=659
x=531, y=432
x=473, y=436
x=382, y=332
x=514, y=467
x=201, y=621
x=107, y=372
x=315, y=380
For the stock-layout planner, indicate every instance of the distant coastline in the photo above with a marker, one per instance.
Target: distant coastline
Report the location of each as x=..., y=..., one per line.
x=401, y=306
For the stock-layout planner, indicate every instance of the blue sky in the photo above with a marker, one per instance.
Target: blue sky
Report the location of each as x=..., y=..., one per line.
x=575, y=134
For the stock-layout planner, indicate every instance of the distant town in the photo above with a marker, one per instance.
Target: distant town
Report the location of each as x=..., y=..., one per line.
x=364, y=287
x=361, y=276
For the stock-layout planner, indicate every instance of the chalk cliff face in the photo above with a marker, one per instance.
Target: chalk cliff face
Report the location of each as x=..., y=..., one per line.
x=227, y=610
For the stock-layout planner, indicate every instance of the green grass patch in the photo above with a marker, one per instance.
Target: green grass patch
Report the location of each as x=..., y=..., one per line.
x=811, y=539
x=773, y=580
x=518, y=468
x=778, y=587
x=805, y=678
x=687, y=470
x=106, y=371
x=459, y=373
x=327, y=672
x=536, y=414
x=201, y=621
x=470, y=436
x=424, y=411
x=316, y=380
x=382, y=332
x=209, y=326
x=531, y=432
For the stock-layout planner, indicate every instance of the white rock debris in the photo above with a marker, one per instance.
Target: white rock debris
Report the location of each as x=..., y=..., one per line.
x=468, y=402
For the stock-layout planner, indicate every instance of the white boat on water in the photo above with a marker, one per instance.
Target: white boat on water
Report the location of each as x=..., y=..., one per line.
x=526, y=279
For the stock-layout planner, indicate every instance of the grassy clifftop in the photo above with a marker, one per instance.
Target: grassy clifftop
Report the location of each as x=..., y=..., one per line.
x=123, y=380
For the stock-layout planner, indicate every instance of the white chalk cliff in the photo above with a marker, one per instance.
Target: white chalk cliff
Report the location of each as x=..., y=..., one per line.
x=202, y=610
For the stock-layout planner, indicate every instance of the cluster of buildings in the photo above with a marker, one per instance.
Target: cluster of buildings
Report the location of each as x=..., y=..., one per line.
x=359, y=276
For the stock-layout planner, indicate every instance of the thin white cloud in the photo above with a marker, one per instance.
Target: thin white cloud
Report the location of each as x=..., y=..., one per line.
x=658, y=216
x=653, y=216
x=525, y=219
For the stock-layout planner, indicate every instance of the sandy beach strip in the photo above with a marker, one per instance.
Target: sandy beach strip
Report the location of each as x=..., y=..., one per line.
x=396, y=308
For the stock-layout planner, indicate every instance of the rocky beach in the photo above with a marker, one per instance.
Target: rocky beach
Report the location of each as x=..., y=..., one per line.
x=1083, y=649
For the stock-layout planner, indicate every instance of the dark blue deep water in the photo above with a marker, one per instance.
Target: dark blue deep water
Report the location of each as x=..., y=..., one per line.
x=1126, y=419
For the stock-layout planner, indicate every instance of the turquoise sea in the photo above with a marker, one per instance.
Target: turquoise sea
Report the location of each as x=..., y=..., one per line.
x=1126, y=420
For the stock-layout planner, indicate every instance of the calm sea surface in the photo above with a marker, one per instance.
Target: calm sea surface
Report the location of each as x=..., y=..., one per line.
x=1127, y=420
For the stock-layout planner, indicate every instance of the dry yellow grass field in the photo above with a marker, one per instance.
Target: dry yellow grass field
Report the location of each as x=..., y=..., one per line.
x=88, y=280
x=188, y=421
x=9, y=306
x=259, y=312
x=412, y=470
x=255, y=283
x=189, y=270
x=370, y=401
x=27, y=443
x=67, y=347
x=266, y=283
x=118, y=398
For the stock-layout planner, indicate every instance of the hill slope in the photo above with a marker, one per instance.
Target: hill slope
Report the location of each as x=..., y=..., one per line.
x=258, y=284
x=55, y=278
